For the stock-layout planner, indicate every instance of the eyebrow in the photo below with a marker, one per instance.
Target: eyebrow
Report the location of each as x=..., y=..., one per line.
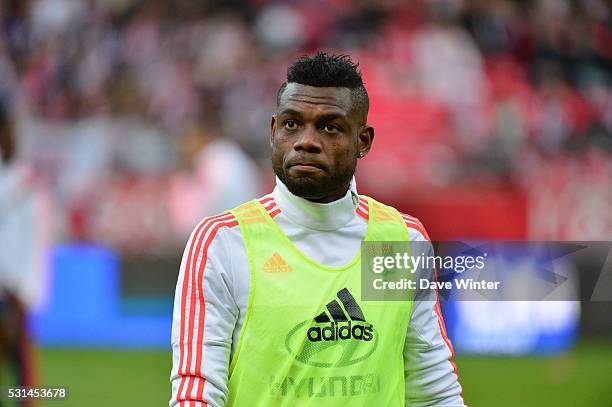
x=290, y=112
x=327, y=117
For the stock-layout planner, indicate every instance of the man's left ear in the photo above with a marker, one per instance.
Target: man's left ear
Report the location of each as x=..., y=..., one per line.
x=366, y=138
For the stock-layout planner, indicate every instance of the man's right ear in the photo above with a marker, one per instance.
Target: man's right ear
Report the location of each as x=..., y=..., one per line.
x=272, y=129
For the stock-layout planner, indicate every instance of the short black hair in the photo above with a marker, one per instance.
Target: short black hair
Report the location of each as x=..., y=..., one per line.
x=329, y=70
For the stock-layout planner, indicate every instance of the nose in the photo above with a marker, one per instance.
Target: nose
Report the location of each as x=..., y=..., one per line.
x=308, y=140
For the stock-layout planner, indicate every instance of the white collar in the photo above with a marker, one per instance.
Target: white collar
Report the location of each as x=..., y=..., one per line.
x=317, y=216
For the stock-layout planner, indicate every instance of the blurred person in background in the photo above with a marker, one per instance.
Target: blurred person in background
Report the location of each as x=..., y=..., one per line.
x=23, y=239
x=216, y=175
x=450, y=70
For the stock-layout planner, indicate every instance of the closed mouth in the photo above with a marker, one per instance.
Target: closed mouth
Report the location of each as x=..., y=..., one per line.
x=305, y=165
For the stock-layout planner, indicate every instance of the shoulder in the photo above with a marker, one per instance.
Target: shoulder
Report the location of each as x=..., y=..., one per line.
x=416, y=229
x=213, y=228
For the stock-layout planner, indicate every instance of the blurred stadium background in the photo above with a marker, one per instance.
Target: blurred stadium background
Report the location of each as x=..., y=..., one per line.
x=133, y=119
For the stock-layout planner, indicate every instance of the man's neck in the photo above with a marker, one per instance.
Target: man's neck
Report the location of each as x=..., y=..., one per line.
x=313, y=215
x=330, y=198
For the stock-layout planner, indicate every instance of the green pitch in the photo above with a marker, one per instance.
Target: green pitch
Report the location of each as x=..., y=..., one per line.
x=108, y=377
x=131, y=378
x=582, y=377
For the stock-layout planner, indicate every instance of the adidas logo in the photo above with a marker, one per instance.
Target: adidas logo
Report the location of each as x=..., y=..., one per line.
x=338, y=336
x=339, y=323
x=276, y=264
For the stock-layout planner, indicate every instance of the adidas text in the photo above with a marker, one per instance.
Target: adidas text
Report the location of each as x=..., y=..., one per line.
x=335, y=331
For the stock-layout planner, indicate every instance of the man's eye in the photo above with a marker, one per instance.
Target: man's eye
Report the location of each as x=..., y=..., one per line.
x=291, y=125
x=331, y=128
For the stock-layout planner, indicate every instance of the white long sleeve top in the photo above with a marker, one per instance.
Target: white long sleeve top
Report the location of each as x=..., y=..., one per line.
x=330, y=234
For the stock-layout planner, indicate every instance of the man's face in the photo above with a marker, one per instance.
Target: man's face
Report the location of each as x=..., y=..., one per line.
x=316, y=138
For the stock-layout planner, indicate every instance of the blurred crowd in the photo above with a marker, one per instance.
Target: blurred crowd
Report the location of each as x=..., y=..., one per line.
x=120, y=103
